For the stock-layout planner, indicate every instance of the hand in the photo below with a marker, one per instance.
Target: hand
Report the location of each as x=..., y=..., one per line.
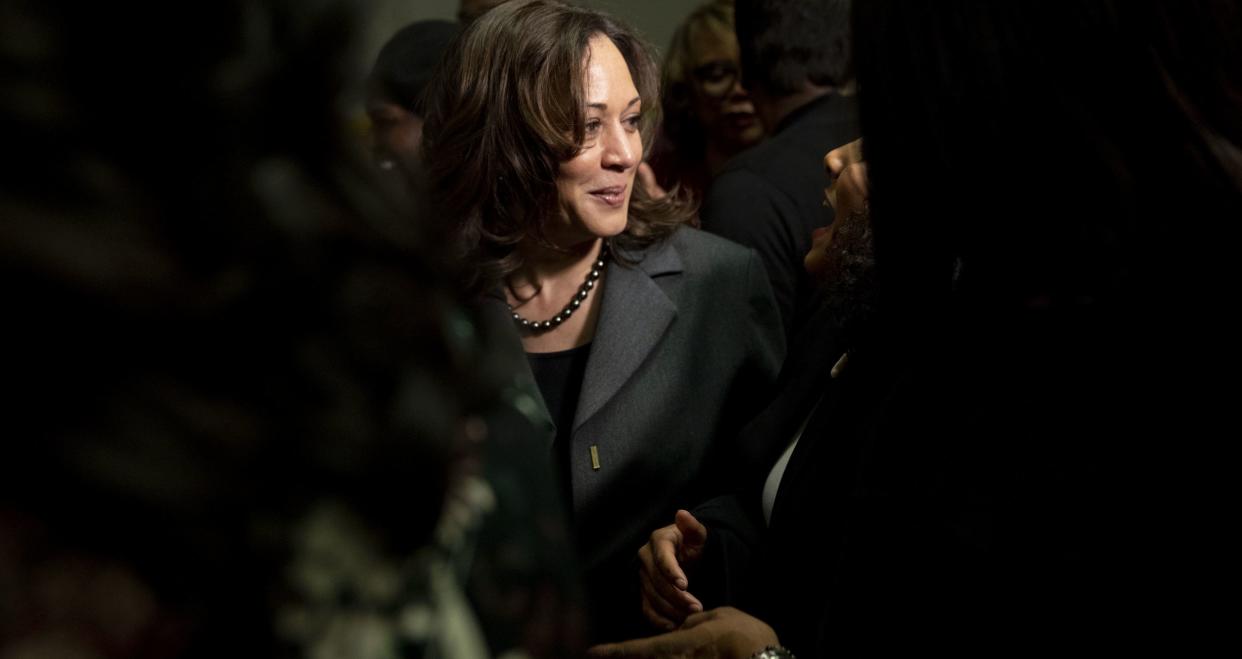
x=843, y=156
x=847, y=193
x=837, y=163
x=647, y=178
x=850, y=191
x=723, y=633
x=661, y=575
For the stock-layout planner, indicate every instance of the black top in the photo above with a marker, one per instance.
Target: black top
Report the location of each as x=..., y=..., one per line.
x=559, y=375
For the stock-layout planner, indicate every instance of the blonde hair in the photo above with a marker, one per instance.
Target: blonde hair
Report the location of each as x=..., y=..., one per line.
x=680, y=124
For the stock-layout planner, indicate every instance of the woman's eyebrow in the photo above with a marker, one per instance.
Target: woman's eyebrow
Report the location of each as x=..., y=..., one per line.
x=604, y=106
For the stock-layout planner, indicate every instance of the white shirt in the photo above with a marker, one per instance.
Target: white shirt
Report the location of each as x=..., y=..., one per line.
x=773, y=483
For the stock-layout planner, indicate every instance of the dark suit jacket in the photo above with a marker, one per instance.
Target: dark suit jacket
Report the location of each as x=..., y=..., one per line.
x=770, y=197
x=994, y=488
x=688, y=343
x=725, y=575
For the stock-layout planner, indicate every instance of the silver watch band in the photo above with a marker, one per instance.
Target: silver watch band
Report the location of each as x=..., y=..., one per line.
x=773, y=652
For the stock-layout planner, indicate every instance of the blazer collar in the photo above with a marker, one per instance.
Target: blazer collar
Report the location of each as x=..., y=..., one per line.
x=658, y=259
x=634, y=315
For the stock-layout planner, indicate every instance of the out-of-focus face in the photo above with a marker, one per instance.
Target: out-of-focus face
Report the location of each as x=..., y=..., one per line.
x=395, y=133
x=596, y=184
x=721, y=105
x=846, y=193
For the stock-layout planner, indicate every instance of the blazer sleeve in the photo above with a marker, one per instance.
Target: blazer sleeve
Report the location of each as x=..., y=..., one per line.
x=733, y=533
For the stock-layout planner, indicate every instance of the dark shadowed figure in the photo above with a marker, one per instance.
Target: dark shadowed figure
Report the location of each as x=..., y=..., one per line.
x=249, y=411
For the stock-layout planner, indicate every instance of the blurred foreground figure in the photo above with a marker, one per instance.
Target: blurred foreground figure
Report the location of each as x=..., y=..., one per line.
x=395, y=88
x=239, y=389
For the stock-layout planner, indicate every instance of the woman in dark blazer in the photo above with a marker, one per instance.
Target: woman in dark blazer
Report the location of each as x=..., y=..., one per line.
x=648, y=340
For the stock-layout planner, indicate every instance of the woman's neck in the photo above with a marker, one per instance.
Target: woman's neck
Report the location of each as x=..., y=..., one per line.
x=548, y=281
x=547, y=268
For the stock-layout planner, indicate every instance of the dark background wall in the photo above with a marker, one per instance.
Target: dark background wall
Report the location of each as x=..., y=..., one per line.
x=654, y=19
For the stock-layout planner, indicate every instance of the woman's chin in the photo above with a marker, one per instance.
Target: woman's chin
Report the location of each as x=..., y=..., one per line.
x=606, y=225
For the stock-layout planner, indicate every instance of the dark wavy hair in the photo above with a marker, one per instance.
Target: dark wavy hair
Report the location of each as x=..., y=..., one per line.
x=506, y=108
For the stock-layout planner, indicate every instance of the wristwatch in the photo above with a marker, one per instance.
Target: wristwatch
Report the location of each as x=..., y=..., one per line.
x=773, y=652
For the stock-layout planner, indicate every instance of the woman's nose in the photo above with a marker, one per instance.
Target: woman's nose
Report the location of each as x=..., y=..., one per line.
x=737, y=91
x=619, y=150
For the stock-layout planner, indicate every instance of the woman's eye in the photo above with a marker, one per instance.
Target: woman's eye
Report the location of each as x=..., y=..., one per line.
x=633, y=122
x=592, y=126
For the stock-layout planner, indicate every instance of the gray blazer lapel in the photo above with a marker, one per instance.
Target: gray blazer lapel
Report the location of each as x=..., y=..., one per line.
x=635, y=313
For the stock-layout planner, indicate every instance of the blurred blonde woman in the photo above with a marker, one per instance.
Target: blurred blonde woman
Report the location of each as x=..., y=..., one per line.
x=708, y=115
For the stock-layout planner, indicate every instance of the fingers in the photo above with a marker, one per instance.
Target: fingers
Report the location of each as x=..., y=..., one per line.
x=838, y=164
x=681, y=600
x=673, y=644
x=662, y=581
x=849, y=191
x=852, y=187
x=654, y=617
x=636, y=648
x=833, y=163
x=665, y=544
x=843, y=156
x=856, y=176
x=846, y=155
x=667, y=599
x=611, y=651
x=693, y=533
x=656, y=608
x=696, y=619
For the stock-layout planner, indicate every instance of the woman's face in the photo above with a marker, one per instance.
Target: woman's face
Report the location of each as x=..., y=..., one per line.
x=595, y=185
x=721, y=105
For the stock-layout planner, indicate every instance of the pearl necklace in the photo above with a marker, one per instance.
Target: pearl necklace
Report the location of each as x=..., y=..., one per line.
x=539, y=326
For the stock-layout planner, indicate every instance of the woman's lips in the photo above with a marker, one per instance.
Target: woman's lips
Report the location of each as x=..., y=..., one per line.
x=741, y=119
x=612, y=196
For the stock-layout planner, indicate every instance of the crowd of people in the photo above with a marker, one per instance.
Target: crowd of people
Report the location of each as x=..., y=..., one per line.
x=845, y=328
